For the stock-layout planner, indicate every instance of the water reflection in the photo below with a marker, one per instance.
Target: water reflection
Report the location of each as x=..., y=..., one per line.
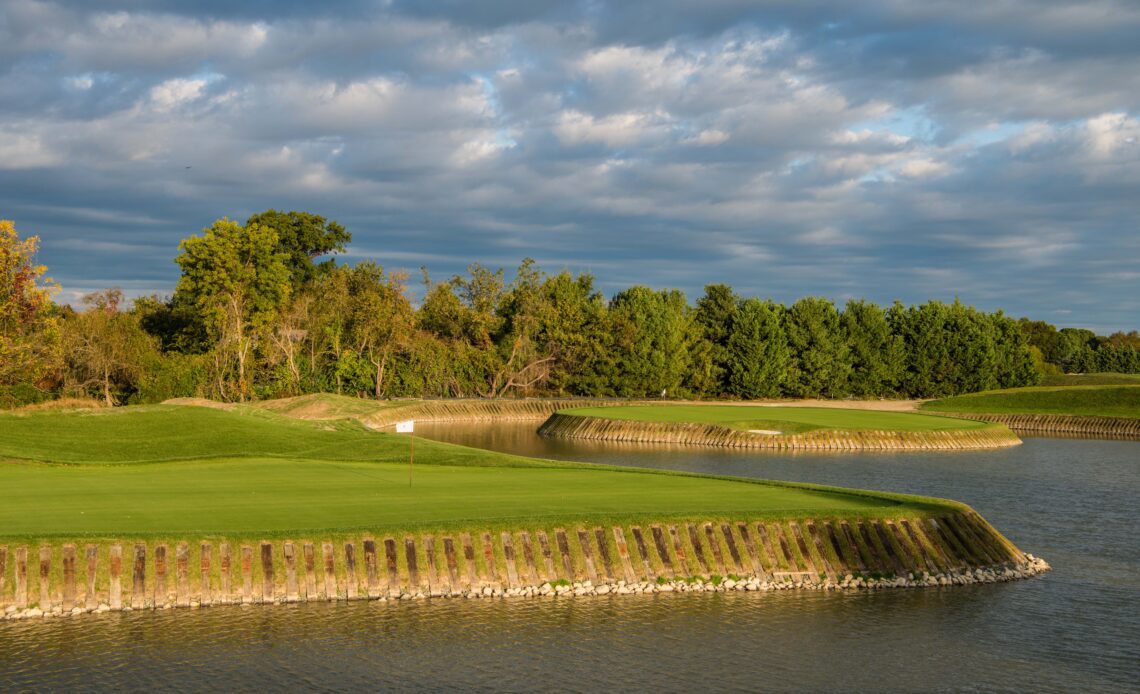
x=1076, y=628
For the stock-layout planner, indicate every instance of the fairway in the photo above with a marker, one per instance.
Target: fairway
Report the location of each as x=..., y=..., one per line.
x=1104, y=401
x=787, y=420
x=169, y=470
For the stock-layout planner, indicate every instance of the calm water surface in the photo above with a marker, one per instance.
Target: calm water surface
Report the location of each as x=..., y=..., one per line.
x=1073, y=502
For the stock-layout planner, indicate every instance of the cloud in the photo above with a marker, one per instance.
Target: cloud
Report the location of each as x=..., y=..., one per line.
x=887, y=149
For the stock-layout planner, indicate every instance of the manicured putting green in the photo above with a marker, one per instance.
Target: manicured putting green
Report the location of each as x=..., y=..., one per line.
x=169, y=470
x=1103, y=401
x=788, y=420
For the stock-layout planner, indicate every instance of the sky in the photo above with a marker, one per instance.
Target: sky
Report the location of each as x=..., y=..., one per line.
x=885, y=149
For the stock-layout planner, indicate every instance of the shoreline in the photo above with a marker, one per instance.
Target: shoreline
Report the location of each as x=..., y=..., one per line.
x=802, y=553
x=567, y=426
x=1093, y=426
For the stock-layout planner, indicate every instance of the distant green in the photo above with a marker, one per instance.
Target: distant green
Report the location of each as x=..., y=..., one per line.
x=1105, y=401
x=789, y=420
x=167, y=470
x=1101, y=379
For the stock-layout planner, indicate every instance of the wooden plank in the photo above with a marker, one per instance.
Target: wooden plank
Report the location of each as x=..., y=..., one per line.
x=45, y=578
x=783, y=547
x=309, y=556
x=587, y=555
x=413, y=565
x=714, y=545
x=469, y=560
x=68, y=576
x=805, y=553
x=246, y=574
x=509, y=557
x=268, y=584
x=489, y=560
x=954, y=552
x=371, y=568
x=90, y=598
x=564, y=553
x=182, y=575
x=432, y=570
x=642, y=552
x=623, y=554
x=604, y=552
x=452, y=564
x=161, y=576
x=844, y=546
x=350, y=581
x=138, y=578
x=820, y=555
x=547, y=556
x=934, y=563
x=224, y=572
x=328, y=555
x=392, y=567
x=737, y=565
x=750, y=549
x=115, y=586
x=21, y=596
x=205, y=566
x=768, y=554
x=887, y=543
x=699, y=551
x=289, y=553
x=528, y=558
x=662, y=550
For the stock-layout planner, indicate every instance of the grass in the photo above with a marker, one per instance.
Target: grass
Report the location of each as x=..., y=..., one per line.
x=191, y=472
x=1100, y=379
x=788, y=420
x=1105, y=401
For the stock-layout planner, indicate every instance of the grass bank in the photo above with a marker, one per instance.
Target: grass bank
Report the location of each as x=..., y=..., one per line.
x=1093, y=400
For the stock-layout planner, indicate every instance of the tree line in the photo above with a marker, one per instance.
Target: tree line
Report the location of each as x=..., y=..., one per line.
x=257, y=314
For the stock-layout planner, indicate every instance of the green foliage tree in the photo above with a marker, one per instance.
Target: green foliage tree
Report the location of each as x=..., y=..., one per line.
x=876, y=353
x=820, y=362
x=107, y=350
x=756, y=351
x=650, y=332
x=303, y=237
x=715, y=313
x=238, y=279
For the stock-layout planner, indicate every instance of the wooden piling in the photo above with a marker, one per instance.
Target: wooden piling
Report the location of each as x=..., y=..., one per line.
x=68, y=576
x=371, y=568
x=489, y=559
x=329, y=557
x=45, y=578
x=662, y=551
x=224, y=572
x=90, y=598
x=642, y=552
x=138, y=578
x=547, y=556
x=564, y=552
x=115, y=588
x=205, y=573
x=289, y=554
x=698, y=551
x=623, y=554
x=452, y=563
x=267, y=582
x=587, y=555
x=528, y=558
x=469, y=560
x=604, y=553
x=309, y=557
x=714, y=545
x=182, y=575
x=509, y=560
x=161, y=592
x=390, y=564
x=350, y=581
x=246, y=574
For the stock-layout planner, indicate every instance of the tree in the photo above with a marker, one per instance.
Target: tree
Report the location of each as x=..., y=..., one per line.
x=303, y=237
x=820, y=363
x=239, y=279
x=649, y=336
x=876, y=353
x=29, y=330
x=106, y=348
x=756, y=351
x=715, y=313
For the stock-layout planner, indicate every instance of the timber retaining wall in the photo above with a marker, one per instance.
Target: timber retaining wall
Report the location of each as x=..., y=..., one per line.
x=561, y=425
x=1084, y=425
x=74, y=578
x=477, y=410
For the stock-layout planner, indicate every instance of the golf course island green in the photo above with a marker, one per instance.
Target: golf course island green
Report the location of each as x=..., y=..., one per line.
x=168, y=505
x=785, y=427
x=1100, y=410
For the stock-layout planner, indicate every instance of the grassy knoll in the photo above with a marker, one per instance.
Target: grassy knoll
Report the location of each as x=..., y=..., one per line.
x=1103, y=401
x=788, y=420
x=1101, y=379
x=165, y=471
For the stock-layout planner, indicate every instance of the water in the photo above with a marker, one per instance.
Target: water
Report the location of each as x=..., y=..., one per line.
x=1073, y=502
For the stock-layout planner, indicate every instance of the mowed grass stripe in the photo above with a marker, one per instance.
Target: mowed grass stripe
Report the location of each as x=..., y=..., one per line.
x=253, y=495
x=789, y=420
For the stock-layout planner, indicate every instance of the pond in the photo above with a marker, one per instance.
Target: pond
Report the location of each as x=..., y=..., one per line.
x=1072, y=502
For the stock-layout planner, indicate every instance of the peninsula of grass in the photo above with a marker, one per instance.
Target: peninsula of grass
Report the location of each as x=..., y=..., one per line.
x=1122, y=401
x=786, y=420
x=172, y=471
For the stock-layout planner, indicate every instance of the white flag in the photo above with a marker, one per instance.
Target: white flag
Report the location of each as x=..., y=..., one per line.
x=405, y=427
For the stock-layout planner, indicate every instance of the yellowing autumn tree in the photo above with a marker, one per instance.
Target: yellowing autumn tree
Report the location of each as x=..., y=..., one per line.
x=29, y=333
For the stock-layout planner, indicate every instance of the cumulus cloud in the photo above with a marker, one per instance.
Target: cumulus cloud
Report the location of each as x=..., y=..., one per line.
x=888, y=150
